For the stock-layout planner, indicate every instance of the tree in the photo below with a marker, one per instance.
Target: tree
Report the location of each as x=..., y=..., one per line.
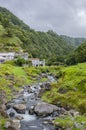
x=20, y=61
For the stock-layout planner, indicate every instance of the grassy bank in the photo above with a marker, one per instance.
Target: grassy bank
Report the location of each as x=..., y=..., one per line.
x=13, y=78
x=70, y=90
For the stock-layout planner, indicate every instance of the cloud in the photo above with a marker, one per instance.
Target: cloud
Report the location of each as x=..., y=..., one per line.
x=63, y=16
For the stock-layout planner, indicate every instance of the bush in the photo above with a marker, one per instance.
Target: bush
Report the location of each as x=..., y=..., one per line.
x=20, y=61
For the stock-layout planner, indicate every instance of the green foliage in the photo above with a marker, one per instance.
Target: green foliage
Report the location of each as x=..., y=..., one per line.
x=15, y=35
x=67, y=122
x=2, y=123
x=70, y=90
x=73, y=41
x=20, y=61
x=78, y=56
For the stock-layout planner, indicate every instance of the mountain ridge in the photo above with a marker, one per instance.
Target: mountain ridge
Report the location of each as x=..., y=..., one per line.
x=15, y=35
x=75, y=41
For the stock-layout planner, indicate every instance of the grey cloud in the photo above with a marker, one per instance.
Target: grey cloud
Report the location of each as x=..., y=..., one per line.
x=63, y=16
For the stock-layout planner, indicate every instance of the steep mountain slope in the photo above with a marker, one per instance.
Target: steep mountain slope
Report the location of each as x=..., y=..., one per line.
x=78, y=56
x=15, y=35
x=73, y=41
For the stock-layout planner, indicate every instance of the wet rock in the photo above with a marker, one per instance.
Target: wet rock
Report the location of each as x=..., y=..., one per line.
x=55, y=114
x=20, y=108
x=63, y=111
x=44, y=109
x=7, y=124
x=74, y=113
x=12, y=114
x=9, y=104
x=12, y=125
x=16, y=123
x=46, y=86
x=21, y=91
x=3, y=110
x=19, y=117
x=31, y=110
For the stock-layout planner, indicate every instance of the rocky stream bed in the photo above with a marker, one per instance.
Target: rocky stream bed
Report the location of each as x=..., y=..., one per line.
x=29, y=112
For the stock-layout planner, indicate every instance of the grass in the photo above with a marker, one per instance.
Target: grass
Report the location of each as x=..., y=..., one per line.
x=73, y=82
x=2, y=123
x=69, y=122
x=13, y=78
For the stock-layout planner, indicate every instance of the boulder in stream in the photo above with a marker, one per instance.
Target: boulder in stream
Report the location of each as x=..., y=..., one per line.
x=12, y=125
x=44, y=109
x=20, y=108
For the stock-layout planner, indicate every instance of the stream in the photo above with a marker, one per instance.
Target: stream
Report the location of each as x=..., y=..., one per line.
x=33, y=113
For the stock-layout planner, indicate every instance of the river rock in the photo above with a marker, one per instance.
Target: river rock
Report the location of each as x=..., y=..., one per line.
x=7, y=124
x=44, y=109
x=12, y=125
x=31, y=110
x=3, y=110
x=16, y=123
x=20, y=108
x=46, y=86
x=9, y=104
x=74, y=113
x=12, y=114
x=18, y=117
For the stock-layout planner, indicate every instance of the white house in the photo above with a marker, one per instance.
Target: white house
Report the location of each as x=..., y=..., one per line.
x=37, y=62
x=22, y=55
x=6, y=56
x=11, y=56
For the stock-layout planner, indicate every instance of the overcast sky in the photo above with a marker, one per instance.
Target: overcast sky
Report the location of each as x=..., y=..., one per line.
x=67, y=17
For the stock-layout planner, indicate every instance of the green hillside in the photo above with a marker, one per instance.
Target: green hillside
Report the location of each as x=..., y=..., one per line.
x=15, y=35
x=78, y=56
x=70, y=90
x=73, y=41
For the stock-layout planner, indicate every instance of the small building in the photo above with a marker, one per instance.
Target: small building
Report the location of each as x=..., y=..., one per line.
x=22, y=55
x=37, y=62
x=11, y=56
x=6, y=56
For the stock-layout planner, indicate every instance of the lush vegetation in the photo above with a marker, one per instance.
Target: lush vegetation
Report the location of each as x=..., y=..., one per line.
x=14, y=78
x=73, y=41
x=78, y=56
x=70, y=90
x=15, y=36
x=67, y=122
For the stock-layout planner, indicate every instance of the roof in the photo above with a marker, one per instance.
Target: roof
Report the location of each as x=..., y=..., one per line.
x=6, y=54
x=33, y=58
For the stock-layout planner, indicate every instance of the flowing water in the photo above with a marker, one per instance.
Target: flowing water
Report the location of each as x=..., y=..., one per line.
x=31, y=121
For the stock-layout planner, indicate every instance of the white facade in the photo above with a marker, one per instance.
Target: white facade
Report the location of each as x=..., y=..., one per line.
x=6, y=56
x=11, y=56
x=22, y=55
x=37, y=62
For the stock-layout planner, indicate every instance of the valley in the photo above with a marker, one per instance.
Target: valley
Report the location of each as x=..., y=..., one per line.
x=43, y=82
